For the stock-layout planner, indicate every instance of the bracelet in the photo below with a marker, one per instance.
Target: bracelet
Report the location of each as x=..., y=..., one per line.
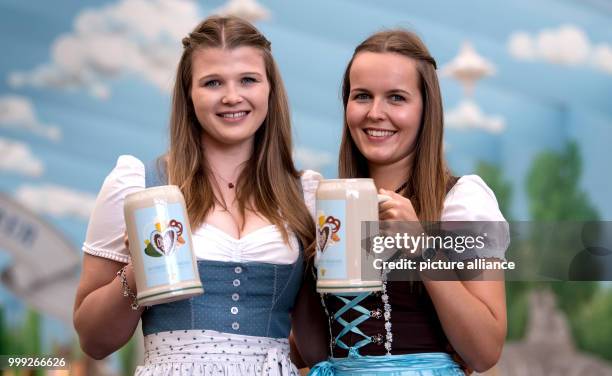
x=127, y=292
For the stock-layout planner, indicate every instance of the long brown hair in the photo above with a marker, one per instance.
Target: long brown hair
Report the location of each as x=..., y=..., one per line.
x=429, y=174
x=268, y=183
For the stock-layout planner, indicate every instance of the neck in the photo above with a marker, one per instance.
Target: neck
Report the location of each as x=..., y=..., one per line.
x=227, y=160
x=391, y=176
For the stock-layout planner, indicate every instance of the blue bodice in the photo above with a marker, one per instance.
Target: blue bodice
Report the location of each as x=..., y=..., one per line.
x=243, y=298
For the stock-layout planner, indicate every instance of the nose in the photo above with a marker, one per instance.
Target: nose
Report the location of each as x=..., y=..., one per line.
x=376, y=111
x=231, y=96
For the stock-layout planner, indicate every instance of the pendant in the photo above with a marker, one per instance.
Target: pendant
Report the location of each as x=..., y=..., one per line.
x=230, y=185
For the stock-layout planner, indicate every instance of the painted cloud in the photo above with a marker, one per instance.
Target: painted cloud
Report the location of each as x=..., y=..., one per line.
x=18, y=112
x=17, y=157
x=467, y=115
x=312, y=159
x=113, y=40
x=56, y=200
x=567, y=45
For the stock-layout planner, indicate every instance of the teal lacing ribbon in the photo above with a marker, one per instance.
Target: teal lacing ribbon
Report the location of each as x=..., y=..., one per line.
x=352, y=326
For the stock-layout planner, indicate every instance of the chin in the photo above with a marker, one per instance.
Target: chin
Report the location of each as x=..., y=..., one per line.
x=378, y=159
x=234, y=134
x=377, y=155
x=236, y=139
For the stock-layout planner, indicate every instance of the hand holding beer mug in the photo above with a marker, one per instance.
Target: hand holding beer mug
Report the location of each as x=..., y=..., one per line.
x=160, y=245
x=342, y=205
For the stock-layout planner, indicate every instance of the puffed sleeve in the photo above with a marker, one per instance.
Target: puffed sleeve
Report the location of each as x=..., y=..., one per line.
x=310, y=181
x=106, y=227
x=471, y=200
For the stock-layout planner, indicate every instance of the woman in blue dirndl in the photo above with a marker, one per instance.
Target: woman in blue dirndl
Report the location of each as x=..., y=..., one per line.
x=230, y=154
x=393, y=128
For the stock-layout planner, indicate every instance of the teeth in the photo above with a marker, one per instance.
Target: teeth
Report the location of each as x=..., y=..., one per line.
x=379, y=133
x=233, y=115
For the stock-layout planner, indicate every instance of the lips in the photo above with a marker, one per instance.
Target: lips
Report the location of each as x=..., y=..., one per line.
x=379, y=133
x=233, y=115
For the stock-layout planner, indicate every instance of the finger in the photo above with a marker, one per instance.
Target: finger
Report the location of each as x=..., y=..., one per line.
x=388, y=215
x=396, y=203
x=387, y=205
x=390, y=227
x=384, y=225
x=393, y=195
x=396, y=196
x=383, y=197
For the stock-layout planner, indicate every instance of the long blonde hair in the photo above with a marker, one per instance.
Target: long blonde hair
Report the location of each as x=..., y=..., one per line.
x=269, y=182
x=429, y=174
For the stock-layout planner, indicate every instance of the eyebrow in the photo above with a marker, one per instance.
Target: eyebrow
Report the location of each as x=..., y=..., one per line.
x=393, y=91
x=400, y=91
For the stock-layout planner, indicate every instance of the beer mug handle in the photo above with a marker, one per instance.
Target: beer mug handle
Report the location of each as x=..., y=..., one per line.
x=383, y=198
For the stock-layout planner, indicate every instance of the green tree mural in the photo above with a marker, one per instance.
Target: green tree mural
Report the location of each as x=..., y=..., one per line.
x=554, y=194
x=22, y=340
x=516, y=299
x=592, y=325
x=553, y=189
x=127, y=357
x=493, y=176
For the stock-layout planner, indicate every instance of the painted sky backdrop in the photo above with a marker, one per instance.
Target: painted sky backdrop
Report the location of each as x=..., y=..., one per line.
x=84, y=82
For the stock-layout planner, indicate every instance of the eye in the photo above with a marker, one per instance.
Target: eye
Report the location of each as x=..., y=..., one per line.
x=212, y=83
x=361, y=97
x=397, y=98
x=248, y=80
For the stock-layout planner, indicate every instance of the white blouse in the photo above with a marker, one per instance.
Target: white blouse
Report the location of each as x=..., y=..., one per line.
x=106, y=227
x=469, y=200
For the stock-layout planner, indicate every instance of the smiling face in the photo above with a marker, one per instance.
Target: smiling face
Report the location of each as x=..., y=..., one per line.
x=384, y=107
x=230, y=91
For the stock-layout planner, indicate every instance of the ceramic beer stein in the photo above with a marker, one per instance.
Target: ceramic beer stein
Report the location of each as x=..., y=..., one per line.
x=160, y=246
x=341, y=208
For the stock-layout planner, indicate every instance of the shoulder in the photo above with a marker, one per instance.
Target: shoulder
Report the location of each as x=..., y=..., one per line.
x=471, y=199
x=127, y=169
x=127, y=176
x=469, y=185
x=106, y=226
